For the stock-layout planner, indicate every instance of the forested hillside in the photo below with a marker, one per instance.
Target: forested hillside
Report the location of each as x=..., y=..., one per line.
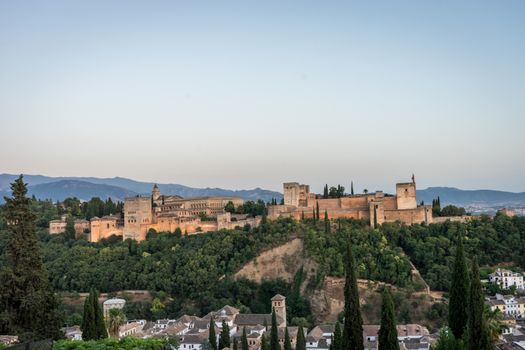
x=193, y=273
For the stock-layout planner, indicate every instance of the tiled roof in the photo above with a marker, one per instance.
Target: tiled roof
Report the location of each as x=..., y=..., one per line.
x=253, y=319
x=193, y=339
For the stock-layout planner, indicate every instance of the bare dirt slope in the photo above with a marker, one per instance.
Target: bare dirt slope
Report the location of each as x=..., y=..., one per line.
x=281, y=262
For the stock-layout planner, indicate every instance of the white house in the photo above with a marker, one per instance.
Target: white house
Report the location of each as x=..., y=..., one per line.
x=506, y=279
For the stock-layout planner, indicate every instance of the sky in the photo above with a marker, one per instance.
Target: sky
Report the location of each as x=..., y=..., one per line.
x=244, y=94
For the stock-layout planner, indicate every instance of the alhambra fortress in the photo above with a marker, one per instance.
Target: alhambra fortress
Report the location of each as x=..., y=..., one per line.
x=206, y=214
x=376, y=208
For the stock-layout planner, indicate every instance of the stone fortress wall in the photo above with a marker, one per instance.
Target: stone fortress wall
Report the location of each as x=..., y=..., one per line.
x=373, y=207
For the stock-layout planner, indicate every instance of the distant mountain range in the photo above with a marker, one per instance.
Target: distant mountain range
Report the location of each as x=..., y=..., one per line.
x=475, y=201
x=118, y=188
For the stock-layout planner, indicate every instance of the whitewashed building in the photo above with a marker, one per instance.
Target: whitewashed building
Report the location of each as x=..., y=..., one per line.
x=506, y=279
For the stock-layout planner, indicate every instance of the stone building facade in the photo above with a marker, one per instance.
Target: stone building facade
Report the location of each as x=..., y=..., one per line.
x=59, y=226
x=376, y=208
x=163, y=214
x=169, y=213
x=105, y=227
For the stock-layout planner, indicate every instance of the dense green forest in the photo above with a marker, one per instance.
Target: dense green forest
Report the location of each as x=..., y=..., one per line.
x=377, y=258
x=431, y=248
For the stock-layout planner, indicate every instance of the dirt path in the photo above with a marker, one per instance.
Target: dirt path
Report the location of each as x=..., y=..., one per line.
x=434, y=294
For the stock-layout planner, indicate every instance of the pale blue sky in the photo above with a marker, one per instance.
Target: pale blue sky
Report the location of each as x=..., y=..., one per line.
x=240, y=94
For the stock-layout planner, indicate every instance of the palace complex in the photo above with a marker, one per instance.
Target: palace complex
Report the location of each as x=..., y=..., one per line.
x=376, y=208
x=169, y=213
x=162, y=214
x=204, y=214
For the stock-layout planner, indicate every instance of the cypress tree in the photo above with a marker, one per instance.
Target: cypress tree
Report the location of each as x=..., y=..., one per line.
x=287, y=341
x=100, y=325
x=28, y=305
x=388, y=330
x=352, y=188
x=70, y=228
x=244, y=340
x=353, y=327
x=264, y=343
x=235, y=345
x=224, y=338
x=264, y=222
x=458, y=305
x=326, y=222
x=212, y=339
x=478, y=336
x=88, y=326
x=313, y=214
x=317, y=211
x=300, y=342
x=302, y=216
x=336, y=344
x=274, y=335
x=325, y=192
x=375, y=216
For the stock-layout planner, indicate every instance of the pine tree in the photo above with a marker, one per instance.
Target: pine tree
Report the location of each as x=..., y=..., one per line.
x=287, y=340
x=388, y=330
x=88, y=326
x=244, y=340
x=212, y=339
x=336, y=344
x=300, y=342
x=224, y=338
x=478, y=336
x=352, y=188
x=28, y=305
x=100, y=325
x=353, y=327
x=274, y=335
x=326, y=222
x=458, y=304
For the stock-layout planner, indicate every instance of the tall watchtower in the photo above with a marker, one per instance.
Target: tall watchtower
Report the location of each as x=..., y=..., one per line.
x=296, y=194
x=279, y=305
x=155, y=193
x=406, y=195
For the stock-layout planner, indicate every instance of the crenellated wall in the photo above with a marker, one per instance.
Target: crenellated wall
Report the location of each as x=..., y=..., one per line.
x=372, y=207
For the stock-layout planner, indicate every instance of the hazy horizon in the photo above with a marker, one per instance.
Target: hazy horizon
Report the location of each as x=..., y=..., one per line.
x=238, y=94
x=316, y=188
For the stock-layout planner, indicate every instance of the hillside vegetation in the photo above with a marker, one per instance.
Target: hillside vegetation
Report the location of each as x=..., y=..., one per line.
x=194, y=274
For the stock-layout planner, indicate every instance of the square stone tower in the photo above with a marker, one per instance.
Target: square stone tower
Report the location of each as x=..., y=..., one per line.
x=138, y=216
x=406, y=195
x=296, y=194
x=279, y=305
